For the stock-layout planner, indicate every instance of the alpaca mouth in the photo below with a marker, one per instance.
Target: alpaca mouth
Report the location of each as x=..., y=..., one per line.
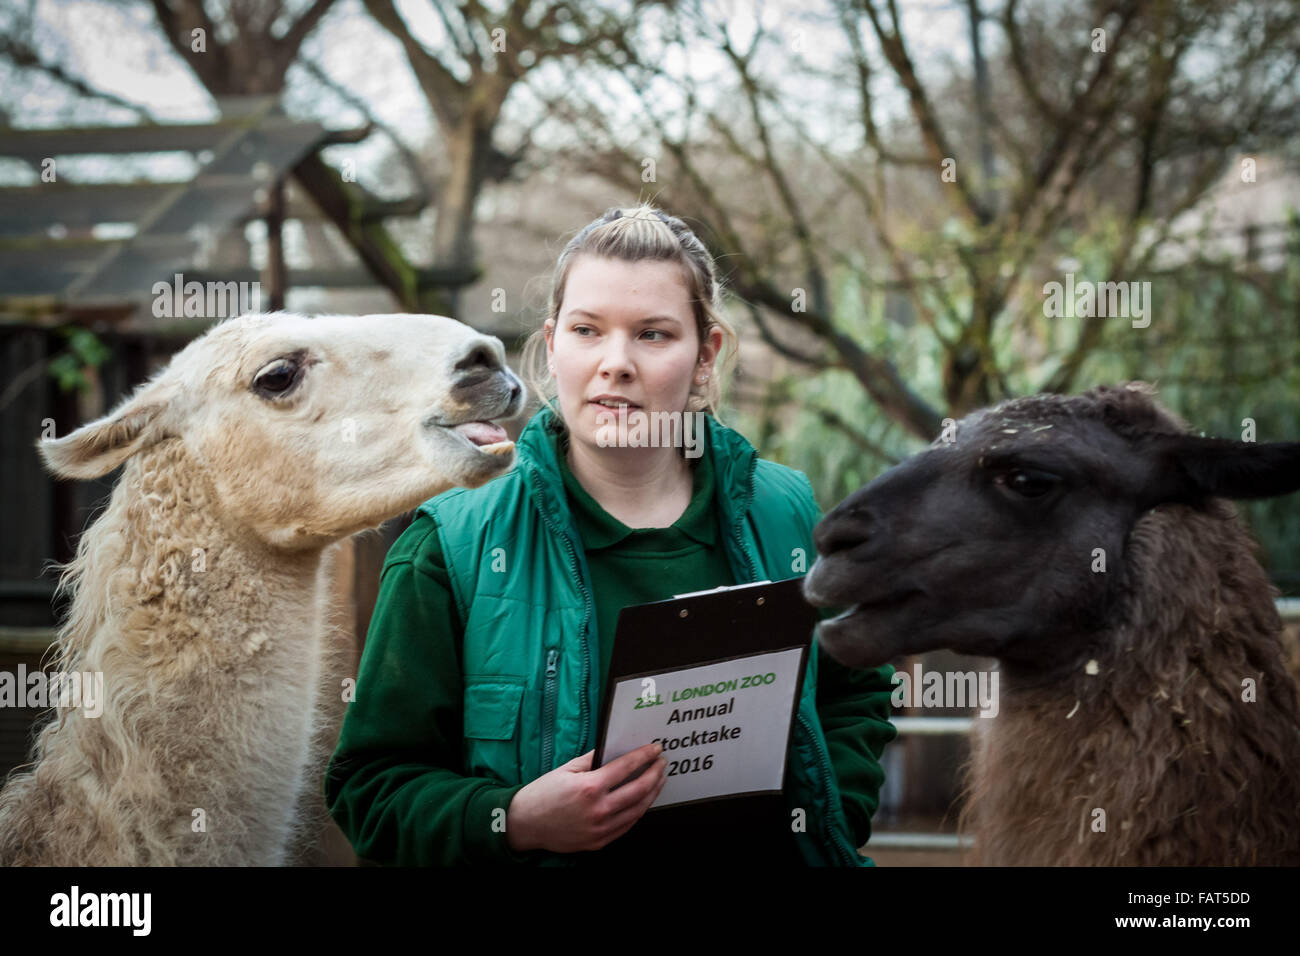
x=847, y=639
x=863, y=635
x=484, y=436
x=892, y=599
x=480, y=436
x=837, y=581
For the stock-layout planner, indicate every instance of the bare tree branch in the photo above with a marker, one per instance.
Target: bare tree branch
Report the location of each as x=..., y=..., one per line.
x=766, y=333
x=862, y=442
x=932, y=135
x=424, y=189
x=21, y=54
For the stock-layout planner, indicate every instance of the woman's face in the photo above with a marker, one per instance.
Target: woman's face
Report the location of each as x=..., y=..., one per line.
x=626, y=335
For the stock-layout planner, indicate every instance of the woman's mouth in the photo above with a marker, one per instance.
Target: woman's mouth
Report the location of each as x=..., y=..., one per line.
x=617, y=408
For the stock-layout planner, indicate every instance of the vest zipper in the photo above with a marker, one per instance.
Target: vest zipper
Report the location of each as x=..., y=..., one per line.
x=548, y=729
x=586, y=656
x=548, y=710
x=849, y=854
x=736, y=535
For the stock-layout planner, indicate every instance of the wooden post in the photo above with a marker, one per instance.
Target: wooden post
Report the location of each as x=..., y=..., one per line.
x=273, y=276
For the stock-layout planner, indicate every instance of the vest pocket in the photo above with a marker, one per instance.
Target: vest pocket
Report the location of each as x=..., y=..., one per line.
x=492, y=706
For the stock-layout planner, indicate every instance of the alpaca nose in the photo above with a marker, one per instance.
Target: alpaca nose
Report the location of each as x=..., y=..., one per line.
x=842, y=529
x=479, y=362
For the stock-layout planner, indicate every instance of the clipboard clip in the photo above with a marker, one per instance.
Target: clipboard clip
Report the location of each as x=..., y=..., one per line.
x=720, y=588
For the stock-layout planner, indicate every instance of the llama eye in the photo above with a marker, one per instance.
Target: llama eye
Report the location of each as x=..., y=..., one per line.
x=277, y=378
x=1028, y=482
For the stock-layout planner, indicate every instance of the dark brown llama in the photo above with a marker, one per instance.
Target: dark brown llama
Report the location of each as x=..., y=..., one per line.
x=1146, y=717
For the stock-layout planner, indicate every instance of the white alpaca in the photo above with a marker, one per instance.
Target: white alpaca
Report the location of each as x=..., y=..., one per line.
x=198, y=592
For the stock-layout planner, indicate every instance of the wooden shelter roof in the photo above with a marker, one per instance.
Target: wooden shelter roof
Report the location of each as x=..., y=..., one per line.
x=77, y=249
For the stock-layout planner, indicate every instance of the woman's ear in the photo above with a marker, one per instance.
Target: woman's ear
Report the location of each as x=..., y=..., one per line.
x=549, y=328
x=709, y=350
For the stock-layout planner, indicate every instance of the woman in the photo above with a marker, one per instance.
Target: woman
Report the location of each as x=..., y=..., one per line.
x=470, y=739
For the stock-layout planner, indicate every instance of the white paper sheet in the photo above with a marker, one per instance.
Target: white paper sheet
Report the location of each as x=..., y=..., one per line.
x=725, y=726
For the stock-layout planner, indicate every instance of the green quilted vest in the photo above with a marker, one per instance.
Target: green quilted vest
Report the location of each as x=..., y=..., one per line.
x=520, y=581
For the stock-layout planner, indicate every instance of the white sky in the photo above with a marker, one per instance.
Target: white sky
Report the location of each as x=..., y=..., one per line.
x=118, y=48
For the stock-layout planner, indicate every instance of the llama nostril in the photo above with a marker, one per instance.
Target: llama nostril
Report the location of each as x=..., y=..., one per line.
x=480, y=357
x=839, y=532
x=477, y=366
x=836, y=537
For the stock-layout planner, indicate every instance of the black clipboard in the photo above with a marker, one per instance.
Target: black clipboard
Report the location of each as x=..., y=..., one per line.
x=705, y=628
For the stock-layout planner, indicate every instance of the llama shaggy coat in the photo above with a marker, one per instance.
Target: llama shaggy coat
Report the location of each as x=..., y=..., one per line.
x=210, y=690
x=1174, y=738
x=200, y=594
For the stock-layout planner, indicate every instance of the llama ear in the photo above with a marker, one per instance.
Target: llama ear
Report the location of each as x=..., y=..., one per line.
x=98, y=447
x=1191, y=468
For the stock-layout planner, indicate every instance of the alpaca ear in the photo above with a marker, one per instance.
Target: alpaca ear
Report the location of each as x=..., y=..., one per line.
x=1190, y=468
x=97, y=448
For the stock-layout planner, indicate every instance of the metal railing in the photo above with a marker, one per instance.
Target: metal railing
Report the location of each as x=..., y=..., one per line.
x=36, y=639
x=1288, y=608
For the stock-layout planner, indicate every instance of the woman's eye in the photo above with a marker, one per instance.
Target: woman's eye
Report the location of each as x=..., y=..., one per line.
x=1028, y=482
x=277, y=378
x=662, y=335
x=582, y=330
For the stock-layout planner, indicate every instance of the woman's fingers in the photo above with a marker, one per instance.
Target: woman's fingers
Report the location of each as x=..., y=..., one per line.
x=579, y=764
x=634, y=792
x=623, y=820
x=617, y=771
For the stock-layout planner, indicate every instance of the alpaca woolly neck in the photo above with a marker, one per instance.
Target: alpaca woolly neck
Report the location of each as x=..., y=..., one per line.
x=210, y=648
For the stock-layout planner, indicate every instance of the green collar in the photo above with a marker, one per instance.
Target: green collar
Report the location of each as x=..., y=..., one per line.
x=732, y=456
x=599, y=529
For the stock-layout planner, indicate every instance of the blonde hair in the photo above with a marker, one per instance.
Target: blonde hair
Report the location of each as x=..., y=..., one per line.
x=635, y=234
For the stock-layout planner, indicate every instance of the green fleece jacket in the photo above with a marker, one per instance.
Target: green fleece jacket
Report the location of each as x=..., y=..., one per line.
x=408, y=782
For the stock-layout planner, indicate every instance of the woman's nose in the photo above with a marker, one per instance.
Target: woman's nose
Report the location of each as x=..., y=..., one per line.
x=615, y=359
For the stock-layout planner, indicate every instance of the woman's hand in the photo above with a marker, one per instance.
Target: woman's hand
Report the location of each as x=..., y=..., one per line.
x=575, y=808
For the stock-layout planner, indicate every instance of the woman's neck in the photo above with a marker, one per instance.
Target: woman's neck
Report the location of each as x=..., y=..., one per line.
x=643, y=488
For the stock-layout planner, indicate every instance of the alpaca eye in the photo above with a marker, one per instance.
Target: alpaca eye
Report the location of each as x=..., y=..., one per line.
x=1028, y=482
x=277, y=378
